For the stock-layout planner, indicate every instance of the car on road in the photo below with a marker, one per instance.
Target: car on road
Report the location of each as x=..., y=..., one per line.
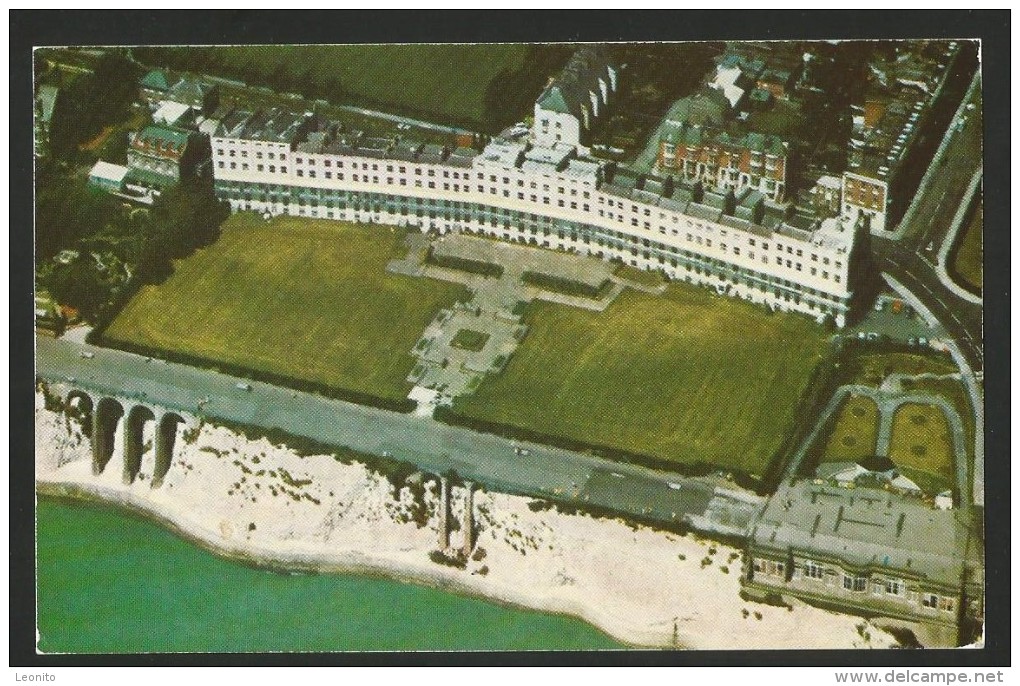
x=86, y=355
x=240, y=385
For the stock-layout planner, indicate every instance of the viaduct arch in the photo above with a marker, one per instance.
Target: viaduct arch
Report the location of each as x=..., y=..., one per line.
x=102, y=415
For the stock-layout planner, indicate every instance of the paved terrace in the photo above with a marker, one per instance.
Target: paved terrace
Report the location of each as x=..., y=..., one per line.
x=494, y=309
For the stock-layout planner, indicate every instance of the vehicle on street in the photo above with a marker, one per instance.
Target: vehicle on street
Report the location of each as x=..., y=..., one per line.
x=243, y=386
x=86, y=355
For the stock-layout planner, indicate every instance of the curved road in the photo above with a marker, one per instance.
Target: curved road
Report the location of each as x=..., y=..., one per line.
x=912, y=259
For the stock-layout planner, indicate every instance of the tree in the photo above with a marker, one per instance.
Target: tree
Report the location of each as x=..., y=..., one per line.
x=67, y=210
x=91, y=102
x=80, y=285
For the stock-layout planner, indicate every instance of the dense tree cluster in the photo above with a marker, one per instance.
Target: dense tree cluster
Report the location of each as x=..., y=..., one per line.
x=91, y=102
x=116, y=248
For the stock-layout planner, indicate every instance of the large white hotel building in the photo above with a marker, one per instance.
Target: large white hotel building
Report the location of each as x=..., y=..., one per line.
x=277, y=162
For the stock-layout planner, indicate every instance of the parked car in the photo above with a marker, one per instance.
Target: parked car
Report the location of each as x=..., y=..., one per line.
x=86, y=355
x=243, y=386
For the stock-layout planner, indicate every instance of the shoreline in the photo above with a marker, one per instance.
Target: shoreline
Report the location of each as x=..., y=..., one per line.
x=77, y=493
x=642, y=587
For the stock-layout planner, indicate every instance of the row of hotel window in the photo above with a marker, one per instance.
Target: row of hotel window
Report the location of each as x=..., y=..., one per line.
x=521, y=196
x=245, y=192
x=856, y=584
x=694, y=240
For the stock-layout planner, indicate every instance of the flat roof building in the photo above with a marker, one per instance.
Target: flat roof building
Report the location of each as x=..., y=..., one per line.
x=880, y=553
x=108, y=177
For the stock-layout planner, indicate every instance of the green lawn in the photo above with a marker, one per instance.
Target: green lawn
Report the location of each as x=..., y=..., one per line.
x=922, y=447
x=686, y=377
x=969, y=254
x=304, y=298
x=447, y=81
x=855, y=431
x=469, y=339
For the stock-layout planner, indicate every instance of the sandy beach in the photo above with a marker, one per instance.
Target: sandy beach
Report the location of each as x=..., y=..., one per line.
x=257, y=502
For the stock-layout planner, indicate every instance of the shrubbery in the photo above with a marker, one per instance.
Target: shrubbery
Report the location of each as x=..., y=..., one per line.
x=463, y=264
x=558, y=284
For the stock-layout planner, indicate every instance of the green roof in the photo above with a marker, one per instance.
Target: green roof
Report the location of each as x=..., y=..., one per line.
x=155, y=80
x=552, y=100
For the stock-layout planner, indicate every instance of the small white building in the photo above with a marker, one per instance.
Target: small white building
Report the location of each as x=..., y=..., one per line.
x=108, y=177
x=173, y=114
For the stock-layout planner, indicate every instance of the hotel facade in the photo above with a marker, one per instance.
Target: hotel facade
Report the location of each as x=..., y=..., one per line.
x=275, y=162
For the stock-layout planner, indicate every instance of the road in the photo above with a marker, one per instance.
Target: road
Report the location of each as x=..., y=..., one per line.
x=432, y=446
x=909, y=259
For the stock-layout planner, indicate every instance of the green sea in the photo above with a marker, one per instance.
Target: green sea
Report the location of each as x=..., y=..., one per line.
x=113, y=582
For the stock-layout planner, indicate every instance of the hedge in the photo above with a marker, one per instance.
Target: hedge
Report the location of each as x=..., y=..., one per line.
x=464, y=264
x=565, y=286
x=402, y=405
x=450, y=416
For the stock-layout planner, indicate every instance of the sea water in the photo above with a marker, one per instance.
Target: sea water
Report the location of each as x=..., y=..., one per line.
x=113, y=582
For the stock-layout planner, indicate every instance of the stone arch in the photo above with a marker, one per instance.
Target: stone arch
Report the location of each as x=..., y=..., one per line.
x=107, y=414
x=166, y=436
x=133, y=440
x=79, y=405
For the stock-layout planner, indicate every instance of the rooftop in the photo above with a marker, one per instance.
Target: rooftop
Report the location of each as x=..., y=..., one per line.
x=161, y=141
x=568, y=92
x=189, y=90
x=155, y=80
x=108, y=172
x=866, y=529
x=170, y=112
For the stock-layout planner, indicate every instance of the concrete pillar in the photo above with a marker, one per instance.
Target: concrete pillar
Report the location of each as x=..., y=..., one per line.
x=133, y=422
x=104, y=430
x=166, y=434
x=444, y=513
x=97, y=442
x=469, y=519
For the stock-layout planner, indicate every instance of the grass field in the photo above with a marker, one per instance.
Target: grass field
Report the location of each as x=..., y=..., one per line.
x=968, y=256
x=685, y=377
x=469, y=339
x=855, y=431
x=304, y=298
x=922, y=447
x=448, y=81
